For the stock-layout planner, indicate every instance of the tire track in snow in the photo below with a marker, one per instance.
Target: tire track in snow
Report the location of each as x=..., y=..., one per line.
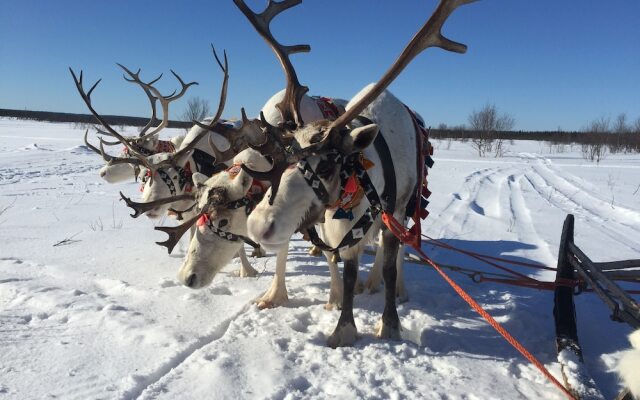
x=152, y=379
x=560, y=193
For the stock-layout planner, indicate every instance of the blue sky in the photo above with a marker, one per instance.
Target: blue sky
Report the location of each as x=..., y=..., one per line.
x=548, y=63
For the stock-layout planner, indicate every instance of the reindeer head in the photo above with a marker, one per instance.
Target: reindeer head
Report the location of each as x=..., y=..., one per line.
x=307, y=158
x=225, y=200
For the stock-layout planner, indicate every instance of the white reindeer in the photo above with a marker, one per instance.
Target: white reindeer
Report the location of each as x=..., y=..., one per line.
x=330, y=156
x=127, y=163
x=172, y=169
x=120, y=172
x=208, y=250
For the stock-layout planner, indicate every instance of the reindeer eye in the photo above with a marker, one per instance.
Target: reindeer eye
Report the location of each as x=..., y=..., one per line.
x=222, y=223
x=175, y=177
x=325, y=169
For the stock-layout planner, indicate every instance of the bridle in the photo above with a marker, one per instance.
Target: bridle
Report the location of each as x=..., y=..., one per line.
x=249, y=203
x=352, y=166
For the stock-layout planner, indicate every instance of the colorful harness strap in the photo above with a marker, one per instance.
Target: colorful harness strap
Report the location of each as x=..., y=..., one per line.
x=327, y=107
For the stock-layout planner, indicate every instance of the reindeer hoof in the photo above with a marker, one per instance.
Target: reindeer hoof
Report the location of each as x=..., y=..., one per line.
x=258, y=252
x=315, y=251
x=343, y=336
x=402, y=298
x=247, y=272
x=359, y=288
x=271, y=301
x=387, y=332
x=265, y=304
x=372, y=287
x=331, y=305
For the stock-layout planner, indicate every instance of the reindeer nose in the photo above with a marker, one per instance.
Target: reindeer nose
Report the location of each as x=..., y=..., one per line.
x=191, y=281
x=102, y=174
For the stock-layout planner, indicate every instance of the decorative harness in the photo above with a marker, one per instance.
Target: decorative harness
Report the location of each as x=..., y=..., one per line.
x=354, y=178
x=249, y=201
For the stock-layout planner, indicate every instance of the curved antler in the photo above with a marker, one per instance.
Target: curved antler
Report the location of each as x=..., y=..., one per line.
x=171, y=160
x=164, y=100
x=176, y=232
x=154, y=94
x=429, y=35
x=141, y=208
x=290, y=105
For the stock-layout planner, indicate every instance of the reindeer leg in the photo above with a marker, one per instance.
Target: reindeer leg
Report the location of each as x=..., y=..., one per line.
x=401, y=291
x=246, y=270
x=336, y=292
x=375, y=275
x=258, y=252
x=277, y=293
x=345, y=333
x=390, y=324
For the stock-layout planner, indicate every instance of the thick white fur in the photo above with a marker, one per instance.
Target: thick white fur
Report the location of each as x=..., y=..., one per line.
x=121, y=172
x=272, y=225
x=629, y=366
x=159, y=190
x=208, y=253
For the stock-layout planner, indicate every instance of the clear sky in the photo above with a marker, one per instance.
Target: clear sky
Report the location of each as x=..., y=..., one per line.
x=548, y=63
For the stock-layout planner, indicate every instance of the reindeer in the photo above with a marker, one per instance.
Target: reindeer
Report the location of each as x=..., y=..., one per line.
x=126, y=165
x=225, y=200
x=325, y=163
x=173, y=168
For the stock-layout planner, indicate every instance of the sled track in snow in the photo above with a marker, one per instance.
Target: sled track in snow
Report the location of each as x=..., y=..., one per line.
x=562, y=194
x=148, y=382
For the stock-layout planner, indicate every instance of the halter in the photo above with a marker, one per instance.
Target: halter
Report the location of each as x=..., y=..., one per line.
x=184, y=179
x=249, y=203
x=353, y=166
x=254, y=194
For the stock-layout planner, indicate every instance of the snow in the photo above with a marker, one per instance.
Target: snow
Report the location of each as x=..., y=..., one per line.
x=102, y=315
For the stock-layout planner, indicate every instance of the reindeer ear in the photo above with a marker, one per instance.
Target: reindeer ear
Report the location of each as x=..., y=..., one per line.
x=199, y=179
x=359, y=138
x=247, y=180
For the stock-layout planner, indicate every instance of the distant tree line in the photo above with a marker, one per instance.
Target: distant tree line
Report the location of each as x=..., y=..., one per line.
x=114, y=120
x=488, y=130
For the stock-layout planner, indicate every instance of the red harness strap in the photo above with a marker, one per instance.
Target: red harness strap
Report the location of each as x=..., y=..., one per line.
x=413, y=235
x=327, y=107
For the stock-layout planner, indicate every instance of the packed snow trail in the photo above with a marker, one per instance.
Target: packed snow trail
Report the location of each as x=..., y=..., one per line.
x=104, y=316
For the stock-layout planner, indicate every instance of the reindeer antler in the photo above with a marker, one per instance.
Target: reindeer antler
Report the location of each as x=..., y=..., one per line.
x=429, y=35
x=154, y=94
x=164, y=100
x=223, y=98
x=176, y=232
x=290, y=105
x=141, y=208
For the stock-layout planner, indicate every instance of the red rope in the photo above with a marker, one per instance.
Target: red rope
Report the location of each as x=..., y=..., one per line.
x=401, y=233
x=465, y=296
x=439, y=243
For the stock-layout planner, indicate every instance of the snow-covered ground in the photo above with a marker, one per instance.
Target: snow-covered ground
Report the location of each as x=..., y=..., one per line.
x=104, y=317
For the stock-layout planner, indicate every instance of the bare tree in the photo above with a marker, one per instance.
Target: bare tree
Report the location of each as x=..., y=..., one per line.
x=197, y=109
x=486, y=123
x=620, y=125
x=594, y=147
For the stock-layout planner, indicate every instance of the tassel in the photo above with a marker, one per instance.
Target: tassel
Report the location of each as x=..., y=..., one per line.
x=367, y=164
x=429, y=162
x=343, y=214
x=352, y=185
